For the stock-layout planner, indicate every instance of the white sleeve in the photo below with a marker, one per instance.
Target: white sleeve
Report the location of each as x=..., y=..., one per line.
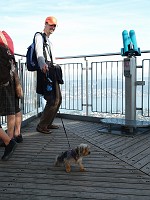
x=39, y=49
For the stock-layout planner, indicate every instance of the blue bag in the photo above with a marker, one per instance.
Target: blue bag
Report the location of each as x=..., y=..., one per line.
x=31, y=58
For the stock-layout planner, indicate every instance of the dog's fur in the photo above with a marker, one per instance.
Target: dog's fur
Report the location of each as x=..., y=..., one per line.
x=73, y=156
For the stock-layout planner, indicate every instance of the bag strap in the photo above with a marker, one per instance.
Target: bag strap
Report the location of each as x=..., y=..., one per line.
x=48, y=48
x=50, y=54
x=40, y=34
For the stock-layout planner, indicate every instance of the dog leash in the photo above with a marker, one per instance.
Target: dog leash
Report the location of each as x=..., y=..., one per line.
x=65, y=131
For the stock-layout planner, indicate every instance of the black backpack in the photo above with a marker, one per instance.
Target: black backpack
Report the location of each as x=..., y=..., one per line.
x=31, y=58
x=5, y=65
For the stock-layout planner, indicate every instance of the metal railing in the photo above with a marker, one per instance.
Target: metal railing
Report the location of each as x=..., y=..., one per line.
x=93, y=86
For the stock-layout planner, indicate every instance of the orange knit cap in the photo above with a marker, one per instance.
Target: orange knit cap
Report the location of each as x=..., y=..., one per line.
x=51, y=20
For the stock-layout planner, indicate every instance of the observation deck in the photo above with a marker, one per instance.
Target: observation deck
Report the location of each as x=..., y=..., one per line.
x=117, y=168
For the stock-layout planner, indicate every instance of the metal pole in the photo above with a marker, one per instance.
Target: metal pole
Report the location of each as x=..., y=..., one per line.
x=87, y=102
x=130, y=88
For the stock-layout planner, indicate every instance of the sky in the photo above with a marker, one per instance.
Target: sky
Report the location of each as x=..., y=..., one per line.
x=84, y=26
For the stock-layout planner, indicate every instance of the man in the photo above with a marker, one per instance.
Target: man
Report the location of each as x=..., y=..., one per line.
x=46, y=75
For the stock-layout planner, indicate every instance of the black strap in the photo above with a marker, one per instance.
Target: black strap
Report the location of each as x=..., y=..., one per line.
x=50, y=53
x=48, y=48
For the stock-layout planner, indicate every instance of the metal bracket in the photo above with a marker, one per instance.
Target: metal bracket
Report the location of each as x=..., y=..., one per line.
x=139, y=82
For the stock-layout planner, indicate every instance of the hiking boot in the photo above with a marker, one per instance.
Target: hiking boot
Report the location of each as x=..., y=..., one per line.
x=18, y=139
x=9, y=149
x=53, y=126
x=43, y=130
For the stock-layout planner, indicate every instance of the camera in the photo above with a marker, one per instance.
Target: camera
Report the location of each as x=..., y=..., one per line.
x=49, y=85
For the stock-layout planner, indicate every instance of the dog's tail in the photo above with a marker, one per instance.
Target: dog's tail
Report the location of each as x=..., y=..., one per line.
x=56, y=163
x=58, y=160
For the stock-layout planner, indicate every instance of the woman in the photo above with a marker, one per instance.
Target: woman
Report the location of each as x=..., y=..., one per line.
x=9, y=101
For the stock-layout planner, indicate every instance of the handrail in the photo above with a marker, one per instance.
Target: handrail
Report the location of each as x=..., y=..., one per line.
x=89, y=55
x=91, y=85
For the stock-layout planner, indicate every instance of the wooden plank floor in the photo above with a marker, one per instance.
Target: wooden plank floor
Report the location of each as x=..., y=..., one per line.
x=117, y=168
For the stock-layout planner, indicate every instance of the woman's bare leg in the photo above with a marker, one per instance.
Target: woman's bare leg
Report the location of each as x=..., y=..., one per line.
x=4, y=136
x=10, y=125
x=18, y=120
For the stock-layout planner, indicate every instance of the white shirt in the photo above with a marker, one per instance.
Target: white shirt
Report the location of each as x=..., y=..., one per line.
x=39, y=49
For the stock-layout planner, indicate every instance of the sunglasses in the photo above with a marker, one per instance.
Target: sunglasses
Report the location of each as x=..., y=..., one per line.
x=52, y=25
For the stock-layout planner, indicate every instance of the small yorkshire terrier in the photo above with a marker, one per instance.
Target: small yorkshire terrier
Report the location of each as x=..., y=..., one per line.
x=73, y=156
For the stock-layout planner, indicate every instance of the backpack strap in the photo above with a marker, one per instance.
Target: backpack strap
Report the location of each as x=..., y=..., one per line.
x=45, y=45
x=44, y=42
x=48, y=49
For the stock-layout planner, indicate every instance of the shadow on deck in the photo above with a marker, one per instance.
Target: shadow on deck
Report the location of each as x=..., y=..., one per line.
x=117, y=168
